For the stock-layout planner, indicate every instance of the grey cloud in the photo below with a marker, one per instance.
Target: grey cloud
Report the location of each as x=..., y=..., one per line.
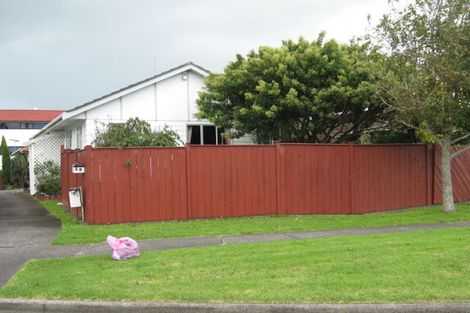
x=60, y=53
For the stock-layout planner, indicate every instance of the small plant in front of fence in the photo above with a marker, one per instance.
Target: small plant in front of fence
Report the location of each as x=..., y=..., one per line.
x=19, y=171
x=47, y=178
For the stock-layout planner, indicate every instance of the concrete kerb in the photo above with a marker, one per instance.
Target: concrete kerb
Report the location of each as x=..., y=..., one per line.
x=54, y=306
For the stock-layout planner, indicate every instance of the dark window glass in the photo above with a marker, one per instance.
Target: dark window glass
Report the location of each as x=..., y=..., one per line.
x=209, y=135
x=22, y=125
x=10, y=125
x=194, y=133
x=38, y=125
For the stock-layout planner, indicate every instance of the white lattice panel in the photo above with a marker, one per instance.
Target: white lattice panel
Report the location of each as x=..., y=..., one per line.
x=43, y=148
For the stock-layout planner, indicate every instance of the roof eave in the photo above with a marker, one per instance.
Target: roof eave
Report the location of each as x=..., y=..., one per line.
x=49, y=126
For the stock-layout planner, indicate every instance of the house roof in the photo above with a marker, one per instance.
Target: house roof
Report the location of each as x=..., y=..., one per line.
x=62, y=118
x=28, y=115
x=177, y=69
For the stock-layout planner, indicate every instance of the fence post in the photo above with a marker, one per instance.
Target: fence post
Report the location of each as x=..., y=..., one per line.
x=429, y=179
x=351, y=152
x=63, y=175
x=433, y=174
x=188, y=185
x=279, y=190
x=87, y=189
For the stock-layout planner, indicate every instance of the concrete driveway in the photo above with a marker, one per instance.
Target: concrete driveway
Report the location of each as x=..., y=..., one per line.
x=26, y=228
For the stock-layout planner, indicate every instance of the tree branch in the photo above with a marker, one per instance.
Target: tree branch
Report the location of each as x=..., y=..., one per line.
x=459, y=152
x=460, y=138
x=420, y=128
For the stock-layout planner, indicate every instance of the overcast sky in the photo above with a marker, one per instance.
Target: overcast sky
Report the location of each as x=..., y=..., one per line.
x=57, y=54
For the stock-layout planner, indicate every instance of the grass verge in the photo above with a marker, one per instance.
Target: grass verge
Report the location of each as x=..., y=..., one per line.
x=75, y=233
x=420, y=266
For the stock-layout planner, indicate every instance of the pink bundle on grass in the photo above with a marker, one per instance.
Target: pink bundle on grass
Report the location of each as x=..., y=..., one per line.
x=123, y=248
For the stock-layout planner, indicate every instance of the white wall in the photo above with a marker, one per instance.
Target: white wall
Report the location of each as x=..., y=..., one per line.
x=171, y=102
x=172, y=99
x=109, y=111
x=140, y=103
x=196, y=85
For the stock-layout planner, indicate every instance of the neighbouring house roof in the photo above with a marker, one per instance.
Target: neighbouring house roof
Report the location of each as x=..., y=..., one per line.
x=122, y=92
x=28, y=115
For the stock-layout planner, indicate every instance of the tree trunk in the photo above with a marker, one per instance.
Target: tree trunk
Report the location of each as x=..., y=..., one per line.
x=446, y=175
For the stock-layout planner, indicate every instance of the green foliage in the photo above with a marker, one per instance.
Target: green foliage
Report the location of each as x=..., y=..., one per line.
x=300, y=92
x=5, y=161
x=427, y=77
x=19, y=170
x=392, y=133
x=135, y=133
x=48, y=178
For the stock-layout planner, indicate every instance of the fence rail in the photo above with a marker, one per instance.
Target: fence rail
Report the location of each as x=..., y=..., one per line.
x=157, y=184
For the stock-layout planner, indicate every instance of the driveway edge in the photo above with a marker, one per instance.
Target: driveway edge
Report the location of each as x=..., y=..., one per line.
x=30, y=306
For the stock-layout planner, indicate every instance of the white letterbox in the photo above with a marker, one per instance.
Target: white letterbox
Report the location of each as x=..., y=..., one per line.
x=78, y=169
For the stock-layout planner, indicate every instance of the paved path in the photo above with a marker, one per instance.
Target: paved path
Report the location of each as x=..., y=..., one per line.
x=25, y=229
x=175, y=243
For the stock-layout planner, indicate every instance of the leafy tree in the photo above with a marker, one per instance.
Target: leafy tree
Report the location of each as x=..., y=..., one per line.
x=5, y=161
x=135, y=133
x=300, y=92
x=392, y=133
x=19, y=170
x=427, y=74
x=47, y=178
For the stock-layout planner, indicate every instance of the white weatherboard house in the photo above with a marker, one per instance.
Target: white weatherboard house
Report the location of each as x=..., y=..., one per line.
x=166, y=99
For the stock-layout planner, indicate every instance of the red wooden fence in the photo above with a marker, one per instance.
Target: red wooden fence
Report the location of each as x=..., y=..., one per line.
x=156, y=184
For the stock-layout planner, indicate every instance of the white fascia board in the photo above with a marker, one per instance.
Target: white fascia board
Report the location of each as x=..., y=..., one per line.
x=67, y=115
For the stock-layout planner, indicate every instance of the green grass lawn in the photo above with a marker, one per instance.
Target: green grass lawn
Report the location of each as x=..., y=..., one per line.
x=420, y=266
x=74, y=233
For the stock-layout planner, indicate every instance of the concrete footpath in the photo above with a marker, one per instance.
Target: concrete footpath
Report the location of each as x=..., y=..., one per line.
x=36, y=306
x=177, y=243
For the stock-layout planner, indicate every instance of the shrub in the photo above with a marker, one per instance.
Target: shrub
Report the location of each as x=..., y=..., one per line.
x=48, y=178
x=135, y=133
x=5, y=161
x=19, y=171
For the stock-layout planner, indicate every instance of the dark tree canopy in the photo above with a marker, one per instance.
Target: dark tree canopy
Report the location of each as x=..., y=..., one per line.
x=300, y=92
x=5, y=161
x=135, y=133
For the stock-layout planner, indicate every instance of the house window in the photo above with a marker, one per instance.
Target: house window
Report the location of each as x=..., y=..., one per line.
x=205, y=135
x=38, y=125
x=68, y=139
x=79, y=137
x=21, y=125
x=10, y=125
